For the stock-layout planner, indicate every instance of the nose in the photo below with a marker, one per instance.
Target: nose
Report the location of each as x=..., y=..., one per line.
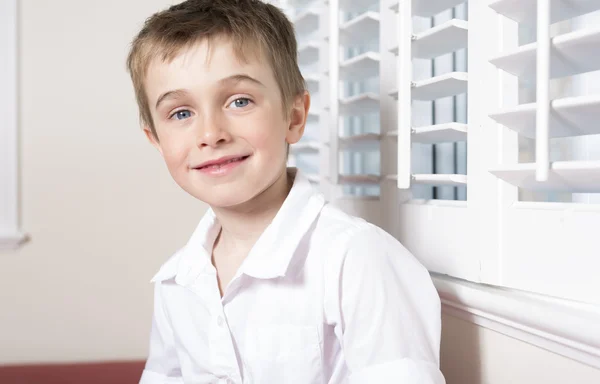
x=212, y=132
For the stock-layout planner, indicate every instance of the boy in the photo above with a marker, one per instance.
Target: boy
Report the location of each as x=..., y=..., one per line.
x=275, y=285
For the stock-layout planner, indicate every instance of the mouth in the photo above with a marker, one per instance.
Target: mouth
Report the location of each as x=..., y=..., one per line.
x=222, y=162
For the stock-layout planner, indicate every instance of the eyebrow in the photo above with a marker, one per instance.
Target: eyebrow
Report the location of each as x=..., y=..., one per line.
x=178, y=93
x=239, y=78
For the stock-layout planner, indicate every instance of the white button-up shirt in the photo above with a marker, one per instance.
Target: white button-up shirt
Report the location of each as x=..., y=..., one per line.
x=322, y=297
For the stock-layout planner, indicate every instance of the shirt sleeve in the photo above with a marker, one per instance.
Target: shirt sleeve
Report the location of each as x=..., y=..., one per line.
x=162, y=365
x=385, y=311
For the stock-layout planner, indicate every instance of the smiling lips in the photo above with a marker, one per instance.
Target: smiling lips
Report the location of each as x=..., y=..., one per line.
x=222, y=166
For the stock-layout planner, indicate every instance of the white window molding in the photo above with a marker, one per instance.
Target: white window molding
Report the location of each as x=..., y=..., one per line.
x=568, y=328
x=10, y=234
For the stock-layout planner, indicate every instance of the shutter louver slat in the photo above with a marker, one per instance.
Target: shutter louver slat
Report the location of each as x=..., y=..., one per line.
x=572, y=116
x=437, y=179
x=428, y=8
x=440, y=133
x=524, y=11
x=440, y=179
x=362, y=142
x=450, y=84
x=352, y=6
x=362, y=104
x=440, y=40
x=564, y=176
x=362, y=66
x=313, y=116
x=312, y=78
x=360, y=30
x=308, y=53
x=360, y=180
x=358, y=143
x=305, y=147
x=312, y=82
x=306, y=21
x=571, y=54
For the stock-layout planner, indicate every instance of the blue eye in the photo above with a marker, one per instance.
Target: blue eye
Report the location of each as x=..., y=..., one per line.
x=182, y=115
x=240, y=103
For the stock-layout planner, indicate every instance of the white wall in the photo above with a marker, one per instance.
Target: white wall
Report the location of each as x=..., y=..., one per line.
x=97, y=201
x=103, y=213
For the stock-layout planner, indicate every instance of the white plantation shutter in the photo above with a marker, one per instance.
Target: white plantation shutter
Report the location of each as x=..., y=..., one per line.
x=536, y=63
x=353, y=101
x=428, y=44
x=307, y=18
x=548, y=247
x=341, y=145
x=394, y=82
x=425, y=82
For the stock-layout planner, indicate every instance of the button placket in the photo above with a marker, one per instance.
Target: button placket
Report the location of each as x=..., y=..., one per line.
x=222, y=352
x=223, y=357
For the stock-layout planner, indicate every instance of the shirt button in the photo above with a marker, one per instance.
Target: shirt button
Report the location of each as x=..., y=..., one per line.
x=220, y=321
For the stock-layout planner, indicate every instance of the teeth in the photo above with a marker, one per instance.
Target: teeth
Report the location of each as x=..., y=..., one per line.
x=217, y=166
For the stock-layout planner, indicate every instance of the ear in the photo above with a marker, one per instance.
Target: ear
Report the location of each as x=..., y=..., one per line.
x=298, y=116
x=152, y=138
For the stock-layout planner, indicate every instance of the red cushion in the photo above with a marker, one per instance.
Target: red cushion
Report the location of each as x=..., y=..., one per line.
x=76, y=373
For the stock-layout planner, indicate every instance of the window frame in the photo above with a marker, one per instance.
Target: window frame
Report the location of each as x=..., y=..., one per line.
x=10, y=234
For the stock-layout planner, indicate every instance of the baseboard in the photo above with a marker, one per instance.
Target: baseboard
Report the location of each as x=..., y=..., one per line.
x=564, y=327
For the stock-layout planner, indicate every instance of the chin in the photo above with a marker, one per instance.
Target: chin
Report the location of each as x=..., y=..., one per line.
x=224, y=196
x=226, y=201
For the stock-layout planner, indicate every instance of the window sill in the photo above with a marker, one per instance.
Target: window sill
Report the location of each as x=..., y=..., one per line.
x=11, y=241
x=564, y=327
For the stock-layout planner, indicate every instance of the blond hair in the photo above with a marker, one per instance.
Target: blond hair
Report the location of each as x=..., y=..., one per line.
x=252, y=26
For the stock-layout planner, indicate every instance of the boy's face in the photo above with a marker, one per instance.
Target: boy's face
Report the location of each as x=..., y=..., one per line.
x=220, y=123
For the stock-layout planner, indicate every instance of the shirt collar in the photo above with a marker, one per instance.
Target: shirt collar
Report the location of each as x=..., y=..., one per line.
x=271, y=255
x=195, y=255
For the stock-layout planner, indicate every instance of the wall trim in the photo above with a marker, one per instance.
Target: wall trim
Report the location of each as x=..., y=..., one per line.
x=10, y=236
x=568, y=328
x=12, y=241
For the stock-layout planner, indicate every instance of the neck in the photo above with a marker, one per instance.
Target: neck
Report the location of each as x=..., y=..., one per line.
x=242, y=225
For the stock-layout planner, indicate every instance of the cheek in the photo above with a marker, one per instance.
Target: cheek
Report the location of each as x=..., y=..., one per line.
x=269, y=137
x=271, y=145
x=175, y=155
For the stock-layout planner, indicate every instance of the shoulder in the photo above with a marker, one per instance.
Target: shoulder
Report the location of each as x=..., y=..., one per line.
x=364, y=264
x=352, y=236
x=362, y=251
x=337, y=226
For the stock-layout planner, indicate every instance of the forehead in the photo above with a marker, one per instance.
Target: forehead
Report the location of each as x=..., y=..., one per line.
x=203, y=64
